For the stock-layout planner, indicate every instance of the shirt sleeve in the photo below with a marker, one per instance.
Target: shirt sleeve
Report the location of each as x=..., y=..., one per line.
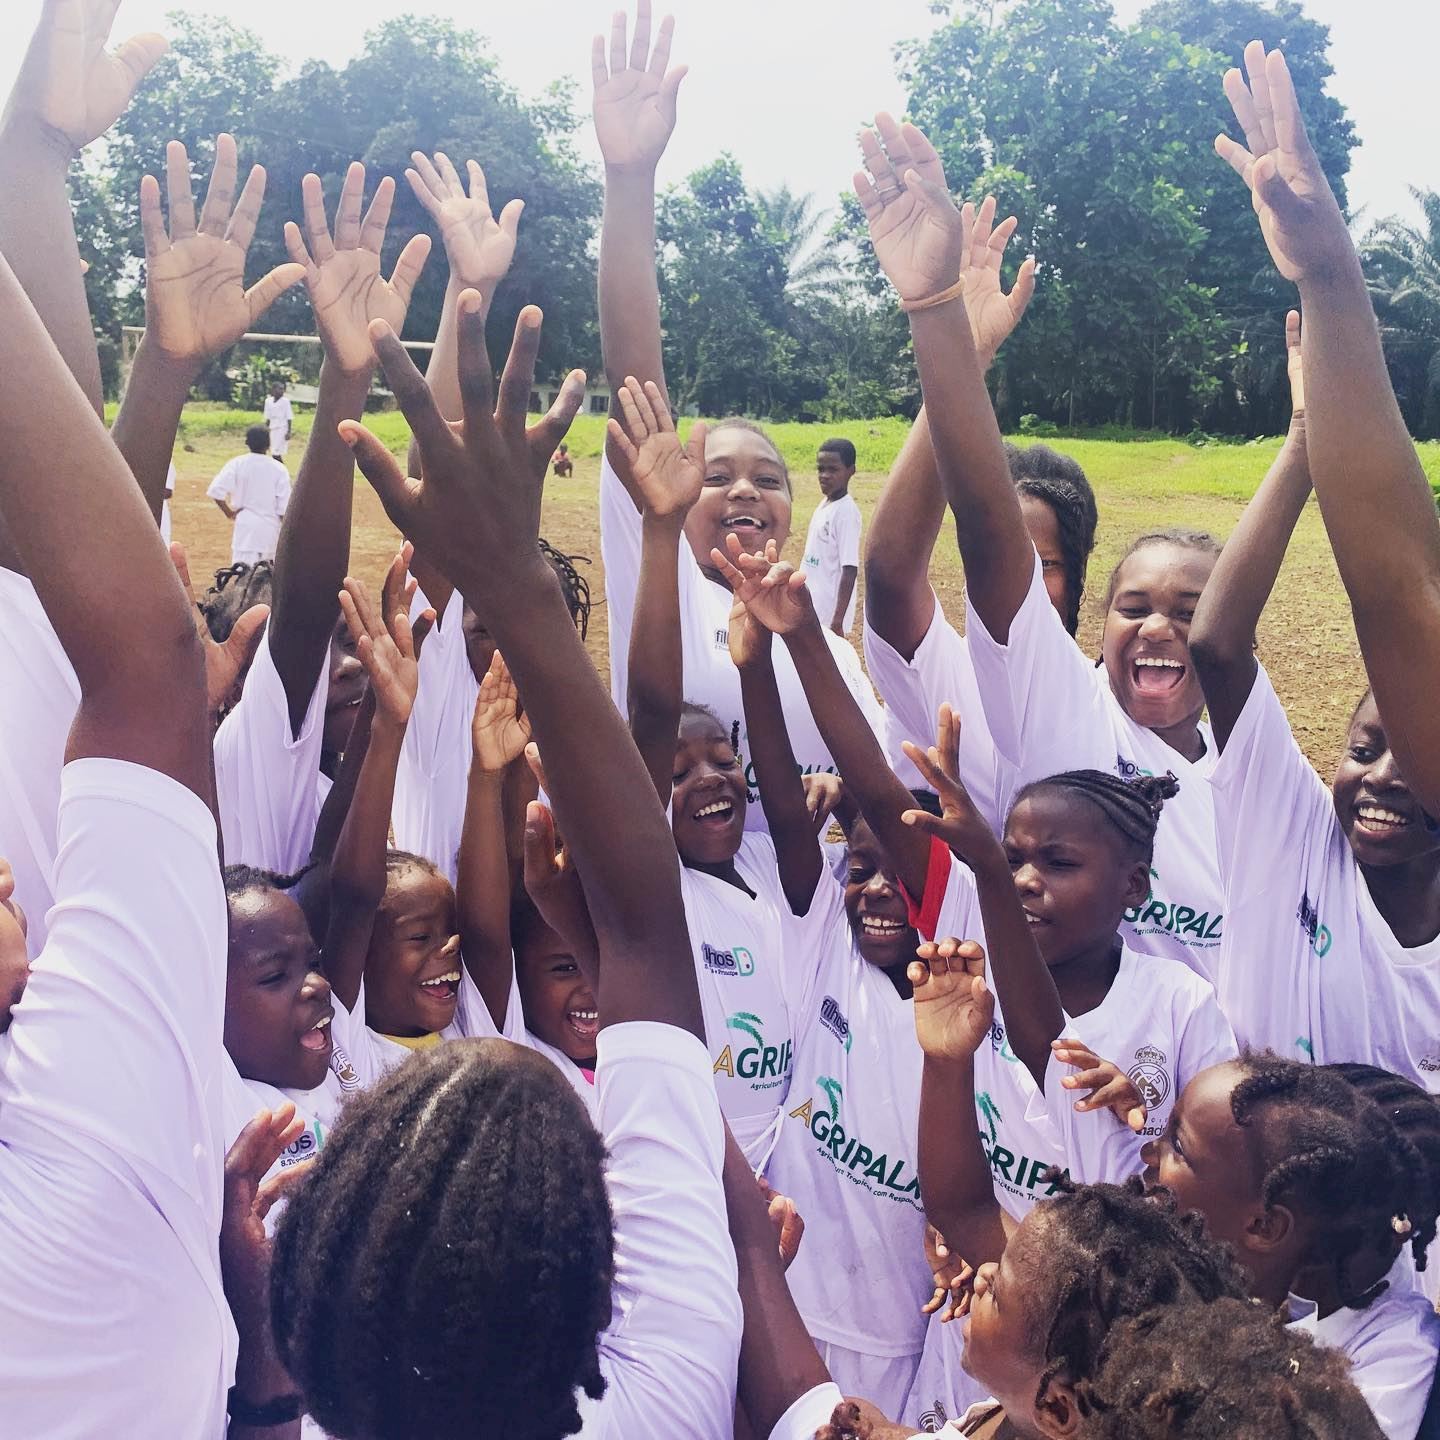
x=620, y=535
x=265, y=777
x=1099, y=1148
x=670, y=1353
x=812, y=1410
x=847, y=535
x=223, y=483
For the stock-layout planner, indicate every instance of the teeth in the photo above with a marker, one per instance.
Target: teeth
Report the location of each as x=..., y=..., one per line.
x=878, y=926
x=1033, y=919
x=720, y=807
x=1374, y=815
x=747, y=520
x=321, y=1023
x=451, y=977
x=584, y=1014
x=1158, y=662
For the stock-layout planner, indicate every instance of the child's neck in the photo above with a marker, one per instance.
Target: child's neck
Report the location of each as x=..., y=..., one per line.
x=721, y=869
x=1408, y=898
x=1319, y=1285
x=839, y=494
x=1084, y=980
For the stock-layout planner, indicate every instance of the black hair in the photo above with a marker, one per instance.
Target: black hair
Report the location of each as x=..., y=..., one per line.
x=446, y=1268
x=236, y=589
x=841, y=447
x=1058, y=481
x=739, y=422
x=1132, y=807
x=1201, y=541
x=240, y=879
x=1231, y=1368
x=573, y=585
x=1115, y=1251
x=1354, y=1149
x=257, y=439
x=397, y=860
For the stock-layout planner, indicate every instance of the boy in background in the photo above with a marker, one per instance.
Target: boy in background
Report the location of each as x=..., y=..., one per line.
x=280, y=419
x=832, y=546
x=253, y=490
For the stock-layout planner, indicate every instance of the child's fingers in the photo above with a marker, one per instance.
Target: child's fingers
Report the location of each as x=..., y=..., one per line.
x=539, y=858
x=275, y=1188
x=616, y=432
x=353, y=621
x=365, y=607
x=1088, y=1079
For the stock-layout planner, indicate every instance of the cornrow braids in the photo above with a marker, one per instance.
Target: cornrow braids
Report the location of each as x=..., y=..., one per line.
x=398, y=860
x=1199, y=540
x=241, y=879
x=236, y=589
x=1059, y=482
x=1116, y=1252
x=446, y=1268
x=573, y=585
x=1132, y=807
x=1231, y=1368
x=1356, y=1157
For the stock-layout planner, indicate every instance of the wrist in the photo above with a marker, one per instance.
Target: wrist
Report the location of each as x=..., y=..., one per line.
x=37, y=139
x=177, y=373
x=482, y=778
x=807, y=637
x=347, y=380
x=632, y=173
x=387, y=730
x=666, y=522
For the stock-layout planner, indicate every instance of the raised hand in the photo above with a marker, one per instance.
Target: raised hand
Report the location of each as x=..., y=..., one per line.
x=959, y=824
x=953, y=1006
x=342, y=271
x=954, y=1279
x=993, y=314
x=69, y=83
x=1299, y=215
x=918, y=234
x=196, y=303
x=668, y=475
x=227, y=661
x=475, y=514
x=386, y=648
x=1294, y=365
x=551, y=881
x=478, y=246
x=824, y=792
x=499, y=731
x=634, y=92
x=788, y=1223
x=772, y=591
x=1109, y=1086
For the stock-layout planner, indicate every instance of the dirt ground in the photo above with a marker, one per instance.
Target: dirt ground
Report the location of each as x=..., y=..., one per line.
x=1306, y=638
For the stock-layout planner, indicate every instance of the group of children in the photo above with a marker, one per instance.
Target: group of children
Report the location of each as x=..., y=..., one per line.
x=532, y=1060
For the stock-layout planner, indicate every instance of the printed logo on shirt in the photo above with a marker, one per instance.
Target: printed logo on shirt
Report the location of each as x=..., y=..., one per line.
x=1430, y=1064
x=1000, y=1045
x=343, y=1069
x=762, y=1066
x=1021, y=1175
x=1309, y=918
x=833, y=1019
x=310, y=1141
x=737, y=961
x=722, y=640
x=933, y=1418
x=1128, y=769
x=1153, y=916
x=1305, y=1043
x=851, y=1157
x=752, y=789
x=1150, y=1077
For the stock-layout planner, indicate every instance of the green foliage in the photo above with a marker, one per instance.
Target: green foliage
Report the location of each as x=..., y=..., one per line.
x=1402, y=261
x=250, y=381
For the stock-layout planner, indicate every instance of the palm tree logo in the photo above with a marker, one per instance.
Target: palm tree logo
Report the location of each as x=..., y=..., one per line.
x=990, y=1110
x=744, y=1021
x=833, y=1093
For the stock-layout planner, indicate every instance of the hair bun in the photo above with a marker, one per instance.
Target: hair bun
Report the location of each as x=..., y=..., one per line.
x=1155, y=790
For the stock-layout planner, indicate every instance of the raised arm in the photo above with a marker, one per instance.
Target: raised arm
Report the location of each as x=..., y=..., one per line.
x=899, y=602
x=1222, y=634
x=919, y=239
x=196, y=303
x=1372, y=490
x=347, y=292
x=499, y=734
x=1034, y=1016
x=635, y=94
x=84, y=536
x=666, y=478
x=477, y=512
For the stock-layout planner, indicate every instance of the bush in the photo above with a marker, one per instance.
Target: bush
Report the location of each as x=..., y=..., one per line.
x=250, y=382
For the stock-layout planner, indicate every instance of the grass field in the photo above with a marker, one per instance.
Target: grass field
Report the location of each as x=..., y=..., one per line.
x=1306, y=638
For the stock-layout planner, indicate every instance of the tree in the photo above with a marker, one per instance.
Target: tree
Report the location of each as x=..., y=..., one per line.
x=793, y=222
x=1402, y=261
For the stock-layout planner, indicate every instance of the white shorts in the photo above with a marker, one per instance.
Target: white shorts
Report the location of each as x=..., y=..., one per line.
x=249, y=557
x=279, y=445
x=883, y=1380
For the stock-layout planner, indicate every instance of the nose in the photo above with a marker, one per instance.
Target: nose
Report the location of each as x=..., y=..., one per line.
x=984, y=1276
x=742, y=488
x=1150, y=1155
x=315, y=987
x=348, y=667
x=1027, y=881
x=1156, y=626
x=1385, y=773
x=879, y=885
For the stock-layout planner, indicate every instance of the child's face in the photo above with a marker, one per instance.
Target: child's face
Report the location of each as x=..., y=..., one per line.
x=745, y=492
x=412, y=973
x=1044, y=528
x=347, y=689
x=707, y=805
x=558, y=1002
x=14, y=954
x=834, y=475
x=1073, y=880
x=1380, y=816
x=277, y=1003
x=878, y=916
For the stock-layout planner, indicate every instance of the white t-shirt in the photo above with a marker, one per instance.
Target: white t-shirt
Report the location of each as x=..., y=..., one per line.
x=913, y=691
x=278, y=416
x=1309, y=967
x=848, y=1156
x=112, y=1128
x=753, y=958
x=670, y=1352
x=1391, y=1346
x=267, y=780
x=831, y=543
x=38, y=699
x=1050, y=709
x=258, y=486
x=428, y=815
x=710, y=676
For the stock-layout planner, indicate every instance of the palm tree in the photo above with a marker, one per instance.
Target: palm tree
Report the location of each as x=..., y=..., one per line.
x=794, y=223
x=1402, y=263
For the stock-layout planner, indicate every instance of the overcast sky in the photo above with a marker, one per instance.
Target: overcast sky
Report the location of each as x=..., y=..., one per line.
x=782, y=84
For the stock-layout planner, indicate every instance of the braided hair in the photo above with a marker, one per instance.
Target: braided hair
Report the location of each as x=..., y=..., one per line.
x=1357, y=1157
x=1131, y=807
x=241, y=879
x=1232, y=1368
x=445, y=1270
x=1059, y=482
x=1114, y=1252
x=573, y=585
x=1182, y=536
x=236, y=589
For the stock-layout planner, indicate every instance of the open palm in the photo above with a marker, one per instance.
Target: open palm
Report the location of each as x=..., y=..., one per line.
x=953, y=1006
x=668, y=475
x=499, y=732
x=634, y=92
x=478, y=246
x=993, y=314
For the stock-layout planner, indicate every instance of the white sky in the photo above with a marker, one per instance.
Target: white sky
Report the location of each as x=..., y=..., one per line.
x=783, y=84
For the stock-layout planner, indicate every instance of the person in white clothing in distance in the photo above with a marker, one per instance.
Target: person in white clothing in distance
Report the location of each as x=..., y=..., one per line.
x=253, y=490
x=279, y=419
x=832, y=543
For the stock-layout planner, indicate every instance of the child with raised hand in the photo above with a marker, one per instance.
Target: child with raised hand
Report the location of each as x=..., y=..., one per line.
x=111, y=1139
x=746, y=489
x=1376, y=503
x=276, y=751
x=1048, y=708
x=442, y=1297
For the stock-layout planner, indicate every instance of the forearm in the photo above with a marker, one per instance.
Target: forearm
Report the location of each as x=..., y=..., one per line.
x=629, y=290
x=970, y=459
x=955, y=1179
x=777, y=777
x=656, y=673
x=336, y=809
x=313, y=554
x=842, y=598
x=149, y=420
x=260, y=1378
x=442, y=374
x=482, y=891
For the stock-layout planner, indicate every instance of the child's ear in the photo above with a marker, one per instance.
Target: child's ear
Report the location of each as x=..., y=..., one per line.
x=1137, y=888
x=1057, y=1413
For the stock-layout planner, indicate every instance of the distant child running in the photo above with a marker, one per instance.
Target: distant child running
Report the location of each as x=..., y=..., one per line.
x=832, y=544
x=253, y=491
